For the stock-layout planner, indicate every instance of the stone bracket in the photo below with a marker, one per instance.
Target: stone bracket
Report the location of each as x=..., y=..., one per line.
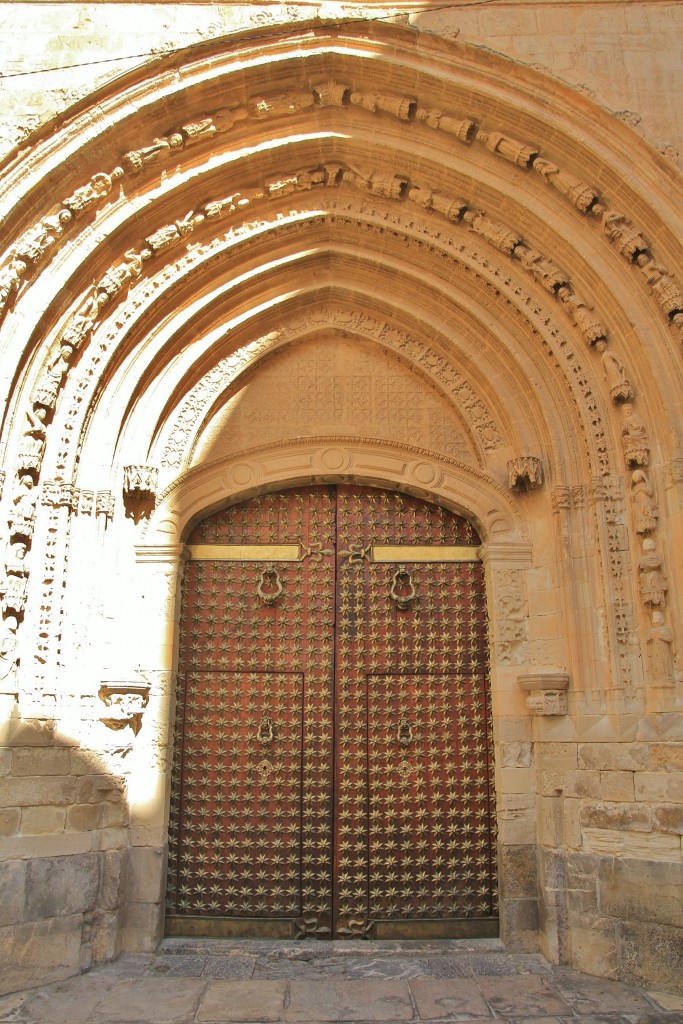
x=546, y=692
x=125, y=703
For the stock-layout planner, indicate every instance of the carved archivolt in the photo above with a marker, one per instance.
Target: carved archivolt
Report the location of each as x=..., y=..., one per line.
x=43, y=239
x=78, y=329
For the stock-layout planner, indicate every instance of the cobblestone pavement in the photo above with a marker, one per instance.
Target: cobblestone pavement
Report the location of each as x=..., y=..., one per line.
x=258, y=981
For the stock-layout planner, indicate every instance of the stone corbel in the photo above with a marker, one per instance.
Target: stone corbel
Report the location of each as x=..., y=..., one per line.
x=140, y=481
x=546, y=692
x=139, y=490
x=525, y=473
x=125, y=703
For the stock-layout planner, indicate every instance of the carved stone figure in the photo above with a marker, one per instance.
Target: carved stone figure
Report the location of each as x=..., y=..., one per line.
x=615, y=375
x=262, y=107
x=169, y=234
x=644, y=509
x=545, y=272
x=590, y=327
x=519, y=153
x=660, y=650
x=33, y=245
x=622, y=233
x=300, y=181
x=634, y=437
x=22, y=515
x=16, y=582
x=32, y=446
x=120, y=275
x=81, y=324
x=581, y=195
x=206, y=127
x=501, y=237
x=138, y=159
x=402, y=107
x=10, y=279
x=44, y=394
x=666, y=291
x=99, y=186
x=8, y=654
x=653, y=585
x=463, y=129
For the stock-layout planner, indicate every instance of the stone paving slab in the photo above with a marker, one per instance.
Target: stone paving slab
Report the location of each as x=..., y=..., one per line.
x=522, y=996
x=256, y=982
x=458, y=999
x=348, y=1001
x=243, y=1001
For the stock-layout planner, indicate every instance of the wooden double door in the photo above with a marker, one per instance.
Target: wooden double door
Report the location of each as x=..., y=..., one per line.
x=333, y=769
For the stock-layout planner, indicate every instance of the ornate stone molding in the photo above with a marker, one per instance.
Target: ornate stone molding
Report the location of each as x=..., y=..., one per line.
x=546, y=692
x=44, y=238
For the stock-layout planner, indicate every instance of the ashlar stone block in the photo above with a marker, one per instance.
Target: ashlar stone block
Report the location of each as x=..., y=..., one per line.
x=39, y=952
x=60, y=886
x=648, y=891
x=651, y=954
x=12, y=891
x=42, y=820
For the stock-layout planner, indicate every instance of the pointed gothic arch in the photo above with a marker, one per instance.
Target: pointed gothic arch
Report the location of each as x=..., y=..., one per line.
x=491, y=238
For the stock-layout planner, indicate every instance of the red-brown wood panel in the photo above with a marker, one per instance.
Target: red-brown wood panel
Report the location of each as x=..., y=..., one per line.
x=333, y=755
x=251, y=807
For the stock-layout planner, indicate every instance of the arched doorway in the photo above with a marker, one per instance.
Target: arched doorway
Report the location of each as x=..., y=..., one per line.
x=333, y=763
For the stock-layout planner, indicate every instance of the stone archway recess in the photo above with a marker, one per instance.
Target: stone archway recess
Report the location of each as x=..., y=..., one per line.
x=457, y=236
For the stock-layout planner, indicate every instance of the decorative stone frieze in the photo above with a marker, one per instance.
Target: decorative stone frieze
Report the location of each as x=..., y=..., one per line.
x=546, y=692
x=525, y=473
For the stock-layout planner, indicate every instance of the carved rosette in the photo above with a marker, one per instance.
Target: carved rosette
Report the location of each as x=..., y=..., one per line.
x=525, y=473
x=140, y=481
x=546, y=692
x=125, y=703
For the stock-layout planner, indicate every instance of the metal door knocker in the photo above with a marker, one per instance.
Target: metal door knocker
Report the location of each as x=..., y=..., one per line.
x=404, y=733
x=402, y=588
x=269, y=587
x=265, y=734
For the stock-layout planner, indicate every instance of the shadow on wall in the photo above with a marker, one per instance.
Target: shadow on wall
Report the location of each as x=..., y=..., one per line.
x=64, y=850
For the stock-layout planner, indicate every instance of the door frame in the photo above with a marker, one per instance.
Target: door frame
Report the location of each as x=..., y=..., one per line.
x=506, y=553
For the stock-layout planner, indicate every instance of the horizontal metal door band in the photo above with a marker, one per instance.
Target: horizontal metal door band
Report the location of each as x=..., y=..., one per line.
x=423, y=553
x=293, y=553
x=245, y=552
